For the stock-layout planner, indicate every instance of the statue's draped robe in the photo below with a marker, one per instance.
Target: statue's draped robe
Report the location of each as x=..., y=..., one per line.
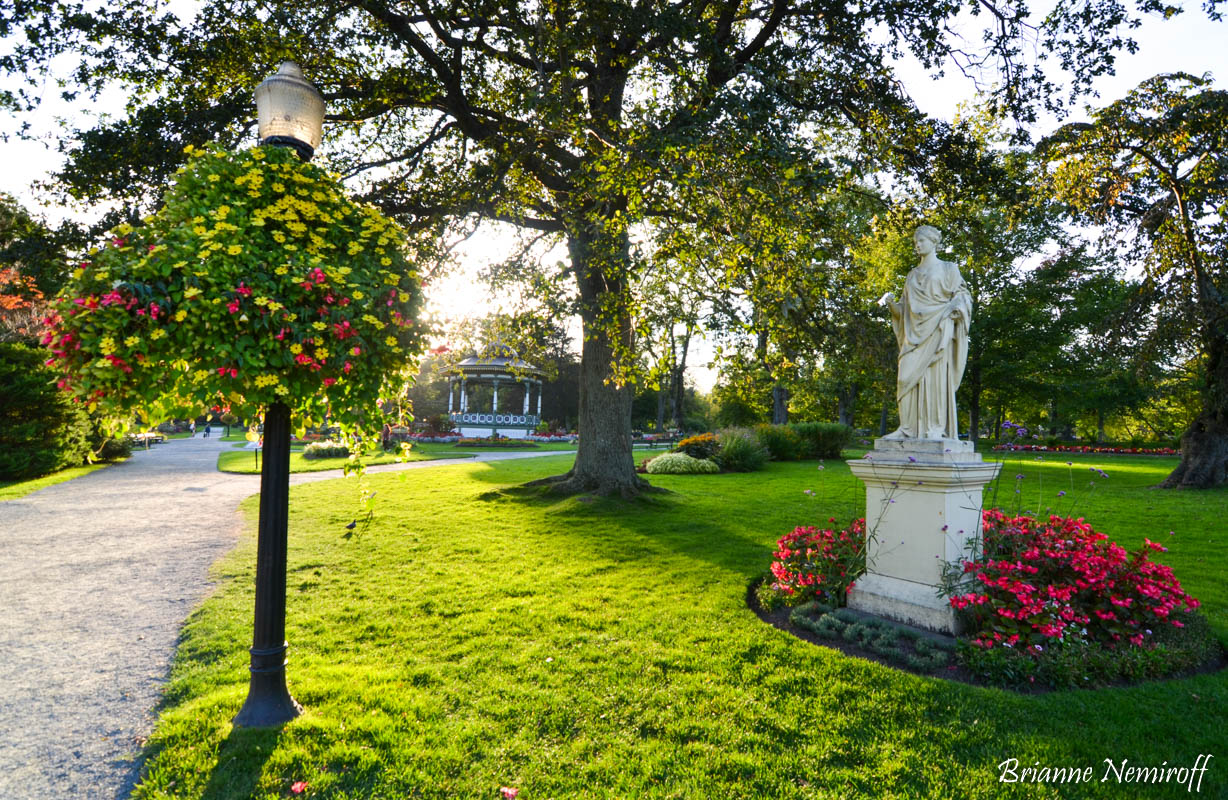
x=931, y=327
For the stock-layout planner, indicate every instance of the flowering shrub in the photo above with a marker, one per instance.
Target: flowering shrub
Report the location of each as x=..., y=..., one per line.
x=680, y=464
x=259, y=281
x=1040, y=582
x=704, y=445
x=820, y=564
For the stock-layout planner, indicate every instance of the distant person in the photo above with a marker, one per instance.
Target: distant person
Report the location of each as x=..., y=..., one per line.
x=386, y=437
x=192, y=428
x=208, y=428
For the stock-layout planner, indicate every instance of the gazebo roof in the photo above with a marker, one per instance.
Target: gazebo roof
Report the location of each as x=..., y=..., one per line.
x=502, y=359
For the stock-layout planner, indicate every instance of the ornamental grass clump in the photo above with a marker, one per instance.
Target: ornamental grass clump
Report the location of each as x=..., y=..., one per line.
x=259, y=281
x=680, y=464
x=326, y=449
x=1041, y=582
x=740, y=450
x=819, y=563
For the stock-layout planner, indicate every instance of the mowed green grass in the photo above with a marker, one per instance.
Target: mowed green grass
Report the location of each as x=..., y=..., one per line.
x=477, y=636
x=12, y=490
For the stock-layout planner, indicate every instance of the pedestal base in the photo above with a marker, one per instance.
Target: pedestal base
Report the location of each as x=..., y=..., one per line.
x=903, y=601
x=923, y=511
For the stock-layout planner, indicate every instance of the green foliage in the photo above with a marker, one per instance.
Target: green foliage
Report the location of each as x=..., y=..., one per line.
x=740, y=450
x=41, y=429
x=781, y=441
x=681, y=464
x=899, y=644
x=259, y=281
x=823, y=439
x=702, y=446
x=1091, y=665
x=326, y=449
x=1152, y=169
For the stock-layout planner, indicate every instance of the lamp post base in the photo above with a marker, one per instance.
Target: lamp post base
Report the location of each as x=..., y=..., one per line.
x=268, y=700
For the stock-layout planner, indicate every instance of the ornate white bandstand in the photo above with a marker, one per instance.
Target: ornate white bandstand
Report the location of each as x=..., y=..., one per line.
x=502, y=370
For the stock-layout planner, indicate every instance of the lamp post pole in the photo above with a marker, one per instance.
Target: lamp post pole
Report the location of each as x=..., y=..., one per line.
x=290, y=113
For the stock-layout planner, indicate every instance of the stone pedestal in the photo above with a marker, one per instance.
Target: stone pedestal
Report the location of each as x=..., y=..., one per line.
x=923, y=507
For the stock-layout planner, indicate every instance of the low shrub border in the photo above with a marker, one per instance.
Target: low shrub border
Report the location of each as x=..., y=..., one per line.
x=519, y=444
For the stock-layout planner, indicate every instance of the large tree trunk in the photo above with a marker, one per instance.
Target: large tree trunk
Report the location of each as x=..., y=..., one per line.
x=846, y=404
x=604, y=463
x=1204, y=447
x=660, y=410
x=780, y=405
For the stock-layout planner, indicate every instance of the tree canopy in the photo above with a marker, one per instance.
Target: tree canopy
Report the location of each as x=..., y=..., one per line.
x=579, y=121
x=1153, y=169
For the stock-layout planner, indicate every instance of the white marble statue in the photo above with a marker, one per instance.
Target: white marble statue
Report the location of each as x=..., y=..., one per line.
x=931, y=326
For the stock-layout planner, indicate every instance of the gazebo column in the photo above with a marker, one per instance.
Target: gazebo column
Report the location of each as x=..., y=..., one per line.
x=540, y=386
x=494, y=403
x=464, y=399
x=451, y=391
x=527, y=389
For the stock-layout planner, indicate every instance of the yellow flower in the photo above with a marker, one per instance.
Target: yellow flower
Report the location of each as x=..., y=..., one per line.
x=257, y=221
x=214, y=179
x=200, y=230
x=234, y=249
x=190, y=292
x=180, y=315
x=158, y=333
x=296, y=348
x=282, y=390
x=319, y=326
x=321, y=353
x=107, y=345
x=282, y=270
x=391, y=341
x=278, y=236
x=358, y=295
x=291, y=247
x=387, y=262
x=132, y=341
x=278, y=186
x=291, y=317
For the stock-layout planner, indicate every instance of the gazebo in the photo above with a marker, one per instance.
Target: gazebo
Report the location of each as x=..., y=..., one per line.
x=501, y=370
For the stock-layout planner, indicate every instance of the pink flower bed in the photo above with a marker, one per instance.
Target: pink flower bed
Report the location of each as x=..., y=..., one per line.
x=1058, y=579
x=820, y=563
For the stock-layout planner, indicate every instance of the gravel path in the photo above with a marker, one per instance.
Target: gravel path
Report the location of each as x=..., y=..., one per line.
x=96, y=576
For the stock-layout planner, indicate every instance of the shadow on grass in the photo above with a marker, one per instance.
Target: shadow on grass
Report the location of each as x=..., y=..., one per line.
x=240, y=762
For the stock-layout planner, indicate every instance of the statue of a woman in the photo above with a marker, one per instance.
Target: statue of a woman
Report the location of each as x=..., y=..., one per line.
x=931, y=326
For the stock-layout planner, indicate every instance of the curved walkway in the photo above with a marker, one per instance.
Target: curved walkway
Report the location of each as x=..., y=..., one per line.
x=96, y=576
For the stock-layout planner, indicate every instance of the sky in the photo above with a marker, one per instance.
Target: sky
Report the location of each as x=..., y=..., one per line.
x=1190, y=43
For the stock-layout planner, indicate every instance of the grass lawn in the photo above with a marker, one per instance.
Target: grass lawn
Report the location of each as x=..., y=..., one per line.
x=477, y=636
x=11, y=490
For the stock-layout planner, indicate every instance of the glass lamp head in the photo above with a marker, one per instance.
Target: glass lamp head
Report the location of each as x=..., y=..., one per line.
x=290, y=111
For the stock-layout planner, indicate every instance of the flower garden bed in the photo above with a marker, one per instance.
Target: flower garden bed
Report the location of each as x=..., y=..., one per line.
x=514, y=444
x=1047, y=604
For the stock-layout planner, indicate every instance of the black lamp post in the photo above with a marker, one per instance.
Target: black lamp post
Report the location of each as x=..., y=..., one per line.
x=290, y=113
